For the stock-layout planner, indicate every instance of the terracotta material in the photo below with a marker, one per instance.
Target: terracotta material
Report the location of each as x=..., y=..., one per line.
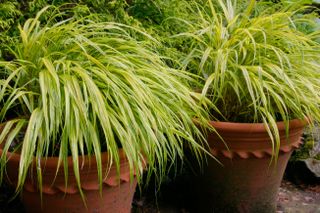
x=246, y=182
x=116, y=197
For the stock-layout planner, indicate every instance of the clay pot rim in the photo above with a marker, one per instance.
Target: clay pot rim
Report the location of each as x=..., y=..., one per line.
x=85, y=161
x=256, y=127
x=48, y=161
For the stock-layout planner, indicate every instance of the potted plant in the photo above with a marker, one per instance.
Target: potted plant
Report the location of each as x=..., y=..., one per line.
x=84, y=108
x=262, y=74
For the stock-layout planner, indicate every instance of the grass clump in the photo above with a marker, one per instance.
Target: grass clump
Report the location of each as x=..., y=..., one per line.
x=79, y=87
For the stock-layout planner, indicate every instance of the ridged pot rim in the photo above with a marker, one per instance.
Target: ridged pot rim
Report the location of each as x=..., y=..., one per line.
x=256, y=127
x=54, y=176
x=51, y=161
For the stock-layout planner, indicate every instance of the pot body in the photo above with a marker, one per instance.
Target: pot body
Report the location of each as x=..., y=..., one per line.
x=116, y=195
x=246, y=181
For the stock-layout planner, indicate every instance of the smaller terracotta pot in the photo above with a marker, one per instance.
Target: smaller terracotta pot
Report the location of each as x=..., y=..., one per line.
x=246, y=182
x=116, y=196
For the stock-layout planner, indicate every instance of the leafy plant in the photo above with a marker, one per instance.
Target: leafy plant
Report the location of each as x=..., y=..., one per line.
x=258, y=66
x=13, y=13
x=155, y=16
x=8, y=13
x=310, y=148
x=306, y=11
x=84, y=87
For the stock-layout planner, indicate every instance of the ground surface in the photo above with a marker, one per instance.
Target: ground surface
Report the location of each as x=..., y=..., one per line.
x=298, y=199
x=292, y=199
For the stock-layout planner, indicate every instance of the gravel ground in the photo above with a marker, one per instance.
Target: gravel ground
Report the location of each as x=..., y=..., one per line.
x=298, y=199
x=292, y=199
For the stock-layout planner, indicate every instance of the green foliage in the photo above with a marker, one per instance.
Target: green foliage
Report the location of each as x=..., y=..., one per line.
x=305, y=10
x=8, y=13
x=154, y=13
x=304, y=151
x=13, y=13
x=258, y=66
x=83, y=87
x=162, y=19
x=310, y=147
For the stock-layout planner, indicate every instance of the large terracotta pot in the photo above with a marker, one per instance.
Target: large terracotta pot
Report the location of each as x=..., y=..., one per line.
x=116, y=197
x=246, y=182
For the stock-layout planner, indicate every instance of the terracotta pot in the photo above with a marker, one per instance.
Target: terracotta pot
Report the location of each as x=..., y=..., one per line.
x=246, y=182
x=117, y=191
